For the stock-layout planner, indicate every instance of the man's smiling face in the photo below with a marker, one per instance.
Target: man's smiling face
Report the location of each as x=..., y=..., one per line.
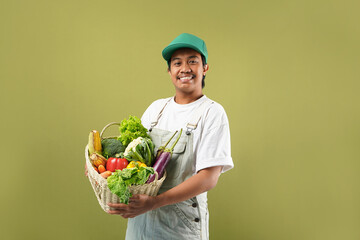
x=187, y=70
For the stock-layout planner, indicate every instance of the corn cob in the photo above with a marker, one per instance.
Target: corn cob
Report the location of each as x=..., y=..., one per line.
x=97, y=160
x=94, y=144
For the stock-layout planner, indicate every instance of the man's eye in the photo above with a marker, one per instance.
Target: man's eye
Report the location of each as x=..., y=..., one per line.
x=176, y=63
x=193, y=62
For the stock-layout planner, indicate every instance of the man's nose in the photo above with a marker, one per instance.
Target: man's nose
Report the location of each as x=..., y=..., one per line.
x=186, y=68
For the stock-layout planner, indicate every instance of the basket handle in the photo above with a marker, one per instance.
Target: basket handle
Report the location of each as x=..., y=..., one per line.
x=108, y=125
x=156, y=175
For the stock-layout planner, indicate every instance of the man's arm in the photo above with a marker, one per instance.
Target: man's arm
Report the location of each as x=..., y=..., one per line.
x=201, y=182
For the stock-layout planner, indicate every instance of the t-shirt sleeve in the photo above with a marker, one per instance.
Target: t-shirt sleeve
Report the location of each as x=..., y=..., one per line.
x=214, y=147
x=146, y=117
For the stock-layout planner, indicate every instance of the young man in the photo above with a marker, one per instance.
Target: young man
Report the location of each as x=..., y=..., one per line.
x=201, y=155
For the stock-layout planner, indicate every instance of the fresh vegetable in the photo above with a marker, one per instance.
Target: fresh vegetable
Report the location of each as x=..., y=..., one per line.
x=163, y=160
x=101, y=168
x=97, y=160
x=116, y=164
x=162, y=148
x=120, y=181
x=140, y=149
x=137, y=164
x=106, y=174
x=112, y=147
x=94, y=143
x=131, y=129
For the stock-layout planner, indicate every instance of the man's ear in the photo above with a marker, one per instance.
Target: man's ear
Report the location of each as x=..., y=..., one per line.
x=206, y=68
x=169, y=72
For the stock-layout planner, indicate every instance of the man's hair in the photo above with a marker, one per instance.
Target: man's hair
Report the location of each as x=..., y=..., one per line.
x=203, y=63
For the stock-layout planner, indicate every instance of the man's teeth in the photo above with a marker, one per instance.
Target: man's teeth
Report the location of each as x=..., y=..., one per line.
x=185, y=78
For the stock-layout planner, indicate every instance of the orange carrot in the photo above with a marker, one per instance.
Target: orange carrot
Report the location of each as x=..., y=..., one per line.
x=106, y=174
x=101, y=168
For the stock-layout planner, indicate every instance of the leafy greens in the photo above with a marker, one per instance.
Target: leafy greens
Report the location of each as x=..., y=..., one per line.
x=141, y=149
x=131, y=129
x=120, y=181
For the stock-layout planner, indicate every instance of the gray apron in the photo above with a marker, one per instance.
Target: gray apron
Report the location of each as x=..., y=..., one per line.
x=184, y=220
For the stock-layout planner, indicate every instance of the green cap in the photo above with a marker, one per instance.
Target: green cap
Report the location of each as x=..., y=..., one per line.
x=185, y=40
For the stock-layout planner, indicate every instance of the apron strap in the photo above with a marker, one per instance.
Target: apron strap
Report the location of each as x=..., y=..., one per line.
x=156, y=120
x=192, y=125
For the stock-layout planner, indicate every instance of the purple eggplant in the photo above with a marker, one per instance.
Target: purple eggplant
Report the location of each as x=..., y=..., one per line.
x=162, y=148
x=162, y=160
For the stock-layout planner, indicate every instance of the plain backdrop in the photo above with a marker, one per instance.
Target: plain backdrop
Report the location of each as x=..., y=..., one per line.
x=286, y=72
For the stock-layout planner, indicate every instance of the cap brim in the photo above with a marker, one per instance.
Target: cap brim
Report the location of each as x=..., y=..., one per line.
x=169, y=50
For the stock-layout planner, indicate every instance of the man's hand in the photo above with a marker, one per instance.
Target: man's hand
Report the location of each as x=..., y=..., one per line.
x=86, y=171
x=138, y=204
x=201, y=182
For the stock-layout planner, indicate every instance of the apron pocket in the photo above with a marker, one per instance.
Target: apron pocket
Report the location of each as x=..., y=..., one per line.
x=188, y=215
x=178, y=149
x=176, y=164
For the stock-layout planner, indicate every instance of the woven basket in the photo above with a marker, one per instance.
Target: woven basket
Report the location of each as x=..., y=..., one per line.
x=100, y=187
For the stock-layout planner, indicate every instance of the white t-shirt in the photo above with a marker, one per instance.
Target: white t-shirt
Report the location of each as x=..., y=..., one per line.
x=211, y=138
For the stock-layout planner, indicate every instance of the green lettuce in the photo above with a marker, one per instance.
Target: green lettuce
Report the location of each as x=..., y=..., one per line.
x=131, y=129
x=120, y=181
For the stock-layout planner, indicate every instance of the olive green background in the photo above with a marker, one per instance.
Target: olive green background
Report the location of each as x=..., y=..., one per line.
x=287, y=73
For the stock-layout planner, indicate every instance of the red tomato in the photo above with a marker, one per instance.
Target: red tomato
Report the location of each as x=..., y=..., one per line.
x=113, y=164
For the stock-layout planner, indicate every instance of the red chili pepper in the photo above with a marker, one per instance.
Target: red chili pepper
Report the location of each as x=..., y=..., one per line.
x=113, y=164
